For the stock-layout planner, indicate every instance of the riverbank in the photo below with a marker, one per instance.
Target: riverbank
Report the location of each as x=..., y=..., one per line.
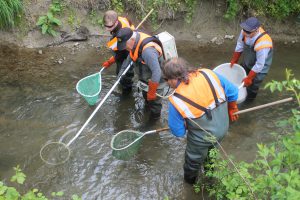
x=208, y=27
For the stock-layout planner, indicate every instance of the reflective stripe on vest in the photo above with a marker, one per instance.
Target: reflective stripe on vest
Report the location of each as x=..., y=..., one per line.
x=135, y=55
x=198, y=91
x=112, y=44
x=262, y=41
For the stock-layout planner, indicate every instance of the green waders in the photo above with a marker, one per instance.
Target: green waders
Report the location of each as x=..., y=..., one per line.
x=248, y=62
x=198, y=141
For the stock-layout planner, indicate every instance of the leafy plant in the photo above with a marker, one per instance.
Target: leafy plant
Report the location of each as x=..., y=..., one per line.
x=48, y=23
x=274, y=174
x=11, y=193
x=96, y=19
x=291, y=84
x=279, y=9
x=56, y=7
x=10, y=12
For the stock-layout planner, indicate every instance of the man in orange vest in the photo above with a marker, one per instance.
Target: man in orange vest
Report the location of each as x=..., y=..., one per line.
x=202, y=104
x=147, y=53
x=113, y=23
x=257, y=47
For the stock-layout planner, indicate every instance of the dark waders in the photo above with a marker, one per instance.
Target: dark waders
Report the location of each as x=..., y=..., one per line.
x=248, y=62
x=126, y=82
x=145, y=74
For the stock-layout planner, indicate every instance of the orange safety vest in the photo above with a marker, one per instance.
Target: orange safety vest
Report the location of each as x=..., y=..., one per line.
x=136, y=52
x=198, y=91
x=262, y=41
x=112, y=44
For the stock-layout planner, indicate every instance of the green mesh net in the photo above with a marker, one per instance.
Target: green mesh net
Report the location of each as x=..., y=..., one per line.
x=90, y=87
x=125, y=144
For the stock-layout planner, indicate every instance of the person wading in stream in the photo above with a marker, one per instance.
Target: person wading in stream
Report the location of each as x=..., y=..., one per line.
x=113, y=24
x=203, y=102
x=147, y=53
x=257, y=48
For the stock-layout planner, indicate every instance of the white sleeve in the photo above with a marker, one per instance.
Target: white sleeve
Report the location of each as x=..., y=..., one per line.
x=240, y=43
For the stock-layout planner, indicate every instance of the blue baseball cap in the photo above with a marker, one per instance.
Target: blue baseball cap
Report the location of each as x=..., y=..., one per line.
x=251, y=24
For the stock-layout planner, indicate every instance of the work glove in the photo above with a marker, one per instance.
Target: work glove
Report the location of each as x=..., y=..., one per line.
x=232, y=108
x=151, y=95
x=235, y=58
x=249, y=79
x=109, y=62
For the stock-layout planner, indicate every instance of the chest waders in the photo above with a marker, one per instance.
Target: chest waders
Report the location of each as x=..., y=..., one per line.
x=120, y=56
x=144, y=74
x=199, y=143
x=249, y=61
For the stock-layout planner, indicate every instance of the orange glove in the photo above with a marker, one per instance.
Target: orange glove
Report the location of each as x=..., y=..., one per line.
x=109, y=62
x=232, y=108
x=248, y=80
x=235, y=58
x=151, y=95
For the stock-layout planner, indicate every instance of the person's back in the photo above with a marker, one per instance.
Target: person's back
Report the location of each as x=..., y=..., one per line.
x=199, y=106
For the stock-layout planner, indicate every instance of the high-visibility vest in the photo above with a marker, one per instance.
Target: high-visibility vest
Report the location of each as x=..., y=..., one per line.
x=262, y=41
x=204, y=89
x=145, y=41
x=112, y=44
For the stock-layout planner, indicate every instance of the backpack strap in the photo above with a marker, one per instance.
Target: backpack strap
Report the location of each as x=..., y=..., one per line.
x=146, y=41
x=207, y=111
x=211, y=87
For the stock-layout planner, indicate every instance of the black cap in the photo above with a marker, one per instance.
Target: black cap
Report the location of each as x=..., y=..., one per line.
x=251, y=24
x=123, y=35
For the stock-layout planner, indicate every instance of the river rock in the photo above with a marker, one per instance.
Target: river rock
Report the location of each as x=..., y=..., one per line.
x=229, y=37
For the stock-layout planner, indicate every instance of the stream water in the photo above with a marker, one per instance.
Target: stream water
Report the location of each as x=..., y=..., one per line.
x=39, y=103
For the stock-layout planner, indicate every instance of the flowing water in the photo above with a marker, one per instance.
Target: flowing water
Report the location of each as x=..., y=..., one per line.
x=39, y=104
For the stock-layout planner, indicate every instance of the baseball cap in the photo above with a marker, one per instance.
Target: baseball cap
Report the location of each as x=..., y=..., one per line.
x=123, y=35
x=251, y=24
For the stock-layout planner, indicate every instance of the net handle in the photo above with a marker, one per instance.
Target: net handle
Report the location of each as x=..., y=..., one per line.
x=264, y=105
x=137, y=139
x=100, y=104
x=156, y=131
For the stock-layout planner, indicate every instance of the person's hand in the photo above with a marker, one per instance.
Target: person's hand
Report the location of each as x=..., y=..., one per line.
x=109, y=62
x=249, y=79
x=152, y=87
x=232, y=108
x=235, y=58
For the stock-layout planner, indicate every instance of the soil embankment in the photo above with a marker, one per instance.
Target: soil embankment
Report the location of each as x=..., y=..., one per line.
x=208, y=26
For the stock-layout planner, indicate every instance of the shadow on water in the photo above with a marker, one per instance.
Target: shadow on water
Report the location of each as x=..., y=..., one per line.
x=39, y=103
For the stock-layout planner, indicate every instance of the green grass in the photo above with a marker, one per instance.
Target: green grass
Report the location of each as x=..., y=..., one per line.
x=10, y=12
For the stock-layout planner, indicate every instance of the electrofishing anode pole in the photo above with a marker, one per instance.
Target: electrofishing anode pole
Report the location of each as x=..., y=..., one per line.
x=263, y=106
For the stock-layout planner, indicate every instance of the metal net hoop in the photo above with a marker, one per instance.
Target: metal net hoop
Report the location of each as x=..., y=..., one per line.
x=55, y=153
x=125, y=144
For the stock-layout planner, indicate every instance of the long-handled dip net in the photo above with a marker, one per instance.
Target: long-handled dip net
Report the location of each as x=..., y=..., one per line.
x=126, y=143
x=55, y=153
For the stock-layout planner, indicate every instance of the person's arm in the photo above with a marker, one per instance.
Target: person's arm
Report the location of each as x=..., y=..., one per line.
x=176, y=122
x=238, y=50
x=261, y=56
x=231, y=91
x=150, y=57
x=240, y=43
